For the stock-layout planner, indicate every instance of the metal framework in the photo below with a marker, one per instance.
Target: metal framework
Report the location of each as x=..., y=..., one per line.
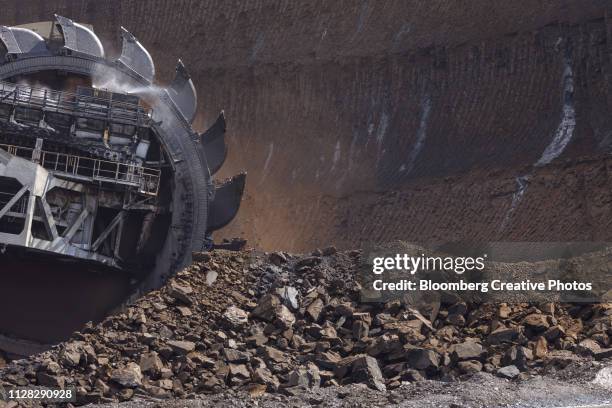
x=86, y=169
x=30, y=205
x=103, y=205
x=101, y=106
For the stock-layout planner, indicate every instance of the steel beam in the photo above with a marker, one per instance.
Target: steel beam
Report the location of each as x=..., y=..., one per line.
x=13, y=201
x=118, y=218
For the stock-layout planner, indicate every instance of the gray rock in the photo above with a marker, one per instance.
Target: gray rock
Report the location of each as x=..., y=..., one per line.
x=393, y=370
x=151, y=363
x=89, y=353
x=363, y=316
x=129, y=376
x=239, y=371
x=235, y=317
x=517, y=356
x=307, y=262
x=307, y=376
x=236, y=356
x=328, y=360
x=165, y=333
x=503, y=335
x=71, y=355
x=417, y=315
x=262, y=375
x=470, y=366
x=272, y=354
x=508, y=372
x=52, y=367
x=180, y=292
x=365, y=369
x=554, y=332
x=468, y=350
x=211, y=277
x=181, y=347
x=360, y=330
x=256, y=340
x=328, y=332
x=423, y=359
x=266, y=307
x=385, y=344
x=47, y=380
x=289, y=296
x=277, y=258
x=413, y=375
x=314, y=309
x=184, y=311
x=537, y=322
x=588, y=347
x=603, y=354
x=284, y=318
x=164, y=383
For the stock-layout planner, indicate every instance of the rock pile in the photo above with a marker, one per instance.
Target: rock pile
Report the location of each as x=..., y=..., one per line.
x=281, y=323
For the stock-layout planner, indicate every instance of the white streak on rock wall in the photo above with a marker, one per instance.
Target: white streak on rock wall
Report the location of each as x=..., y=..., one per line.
x=381, y=132
x=566, y=127
x=561, y=138
x=337, y=154
x=521, y=183
x=266, y=167
x=421, y=135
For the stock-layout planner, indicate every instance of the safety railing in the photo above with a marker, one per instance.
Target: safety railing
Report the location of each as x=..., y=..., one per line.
x=146, y=180
x=94, y=107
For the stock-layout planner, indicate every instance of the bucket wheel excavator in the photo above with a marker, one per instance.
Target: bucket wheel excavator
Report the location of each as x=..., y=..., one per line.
x=105, y=187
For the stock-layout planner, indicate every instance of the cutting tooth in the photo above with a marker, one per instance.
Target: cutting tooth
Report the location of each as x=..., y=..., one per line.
x=213, y=142
x=183, y=93
x=79, y=38
x=226, y=202
x=136, y=57
x=19, y=41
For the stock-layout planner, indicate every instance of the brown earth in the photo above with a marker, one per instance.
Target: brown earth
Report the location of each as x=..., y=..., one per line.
x=326, y=102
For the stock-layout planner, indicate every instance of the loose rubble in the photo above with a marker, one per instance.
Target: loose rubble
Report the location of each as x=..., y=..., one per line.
x=279, y=323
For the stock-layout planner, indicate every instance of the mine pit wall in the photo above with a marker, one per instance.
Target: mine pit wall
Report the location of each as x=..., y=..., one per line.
x=330, y=146
x=362, y=121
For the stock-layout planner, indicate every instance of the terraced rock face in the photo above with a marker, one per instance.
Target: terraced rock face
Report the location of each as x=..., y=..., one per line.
x=359, y=121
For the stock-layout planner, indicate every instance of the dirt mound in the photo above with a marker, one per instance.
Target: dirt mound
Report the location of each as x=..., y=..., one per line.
x=280, y=323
